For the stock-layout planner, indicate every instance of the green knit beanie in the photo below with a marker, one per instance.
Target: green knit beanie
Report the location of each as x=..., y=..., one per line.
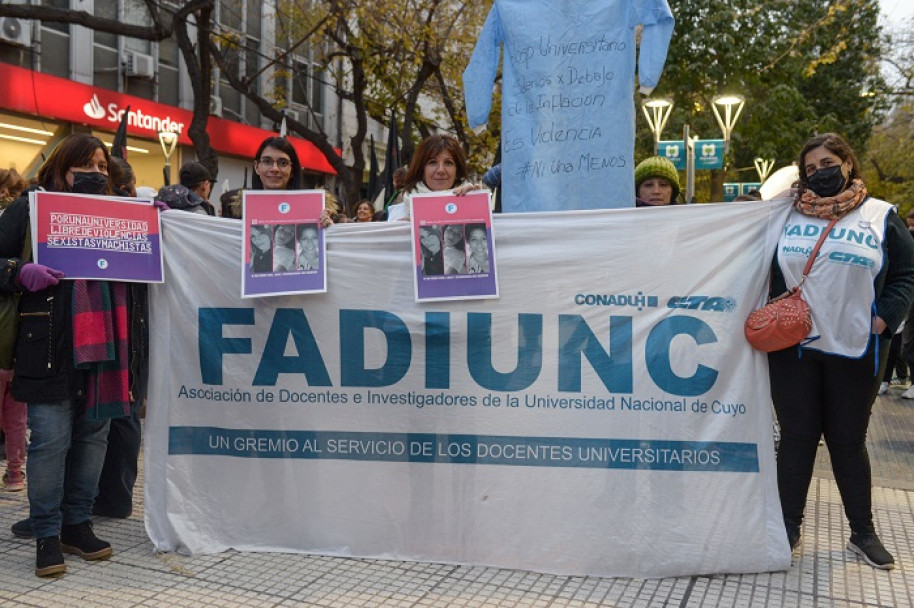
x=657, y=166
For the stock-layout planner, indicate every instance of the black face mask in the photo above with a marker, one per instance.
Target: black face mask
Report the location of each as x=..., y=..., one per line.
x=827, y=182
x=90, y=182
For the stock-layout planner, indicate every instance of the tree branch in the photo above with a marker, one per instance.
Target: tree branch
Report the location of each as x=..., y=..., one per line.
x=48, y=14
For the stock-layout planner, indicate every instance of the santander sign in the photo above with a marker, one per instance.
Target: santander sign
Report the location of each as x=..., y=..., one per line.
x=96, y=111
x=58, y=99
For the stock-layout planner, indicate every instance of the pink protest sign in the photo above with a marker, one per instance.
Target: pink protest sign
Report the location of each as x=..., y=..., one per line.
x=283, y=243
x=453, y=247
x=97, y=237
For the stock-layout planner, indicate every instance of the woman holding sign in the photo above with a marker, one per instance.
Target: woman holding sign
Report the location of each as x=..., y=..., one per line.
x=57, y=366
x=859, y=290
x=276, y=167
x=438, y=165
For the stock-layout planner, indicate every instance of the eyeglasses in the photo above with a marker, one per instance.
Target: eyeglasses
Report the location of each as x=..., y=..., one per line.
x=282, y=163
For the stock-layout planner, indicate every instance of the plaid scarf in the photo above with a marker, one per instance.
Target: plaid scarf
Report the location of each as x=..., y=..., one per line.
x=831, y=207
x=100, y=346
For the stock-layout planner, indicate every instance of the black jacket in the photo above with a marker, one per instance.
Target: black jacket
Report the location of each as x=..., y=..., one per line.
x=44, y=370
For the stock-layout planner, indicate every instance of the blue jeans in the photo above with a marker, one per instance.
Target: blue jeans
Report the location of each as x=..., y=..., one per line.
x=66, y=455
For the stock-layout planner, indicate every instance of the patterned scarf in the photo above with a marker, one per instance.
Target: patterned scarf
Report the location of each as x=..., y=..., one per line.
x=831, y=207
x=100, y=346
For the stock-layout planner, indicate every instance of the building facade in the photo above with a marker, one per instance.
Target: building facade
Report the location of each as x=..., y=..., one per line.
x=60, y=78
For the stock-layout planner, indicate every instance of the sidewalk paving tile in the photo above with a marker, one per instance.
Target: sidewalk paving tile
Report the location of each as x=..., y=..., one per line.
x=823, y=575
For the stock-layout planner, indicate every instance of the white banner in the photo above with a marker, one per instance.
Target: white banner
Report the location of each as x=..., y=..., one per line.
x=605, y=416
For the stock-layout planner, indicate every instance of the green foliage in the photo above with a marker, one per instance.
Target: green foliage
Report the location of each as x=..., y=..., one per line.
x=887, y=166
x=803, y=67
x=390, y=56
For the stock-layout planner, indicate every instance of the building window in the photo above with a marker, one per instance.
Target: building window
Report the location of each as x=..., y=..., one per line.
x=231, y=14
x=300, y=79
x=307, y=87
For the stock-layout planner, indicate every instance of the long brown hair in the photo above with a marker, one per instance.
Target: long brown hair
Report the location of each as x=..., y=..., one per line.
x=75, y=150
x=430, y=148
x=835, y=144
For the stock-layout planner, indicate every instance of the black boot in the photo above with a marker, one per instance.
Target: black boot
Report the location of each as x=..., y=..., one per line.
x=794, y=536
x=48, y=557
x=868, y=546
x=22, y=528
x=79, y=539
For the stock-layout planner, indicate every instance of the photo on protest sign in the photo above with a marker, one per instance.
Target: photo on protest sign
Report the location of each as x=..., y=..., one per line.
x=453, y=247
x=283, y=243
x=97, y=237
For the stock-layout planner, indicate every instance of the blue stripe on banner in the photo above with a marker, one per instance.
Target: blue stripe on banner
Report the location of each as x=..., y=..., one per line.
x=642, y=454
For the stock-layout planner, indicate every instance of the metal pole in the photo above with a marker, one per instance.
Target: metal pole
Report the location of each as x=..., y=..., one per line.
x=166, y=173
x=690, y=164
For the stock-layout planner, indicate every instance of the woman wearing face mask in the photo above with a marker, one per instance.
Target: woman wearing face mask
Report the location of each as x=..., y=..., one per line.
x=57, y=372
x=438, y=165
x=859, y=290
x=121, y=468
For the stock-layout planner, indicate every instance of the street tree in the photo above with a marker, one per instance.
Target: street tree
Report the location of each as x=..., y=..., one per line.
x=887, y=163
x=387, y=58
x=803, y=67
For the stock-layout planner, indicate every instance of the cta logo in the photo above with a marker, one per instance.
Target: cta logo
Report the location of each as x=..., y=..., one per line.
x=94, y=109
x=716, y=303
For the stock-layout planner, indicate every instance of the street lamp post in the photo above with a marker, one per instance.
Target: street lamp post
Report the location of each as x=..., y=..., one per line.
x=689, y=143
x=763, y=167
x=733, y=106
x=657, y=112
x=169, y=140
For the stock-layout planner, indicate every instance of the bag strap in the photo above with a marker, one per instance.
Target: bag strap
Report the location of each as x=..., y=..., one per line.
x=815, y=250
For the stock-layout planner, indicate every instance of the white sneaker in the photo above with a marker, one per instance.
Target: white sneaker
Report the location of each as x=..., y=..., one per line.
x=883, y=388
x=908, y=394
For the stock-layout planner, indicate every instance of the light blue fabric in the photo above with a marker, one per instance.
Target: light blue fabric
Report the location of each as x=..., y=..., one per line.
x=568, y=117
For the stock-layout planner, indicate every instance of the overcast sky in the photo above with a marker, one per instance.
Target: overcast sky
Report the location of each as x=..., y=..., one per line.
x=894, y=11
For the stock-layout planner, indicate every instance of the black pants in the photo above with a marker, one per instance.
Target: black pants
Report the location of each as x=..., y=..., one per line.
x=119, y=473
x=817, y=394
x=897, y=365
